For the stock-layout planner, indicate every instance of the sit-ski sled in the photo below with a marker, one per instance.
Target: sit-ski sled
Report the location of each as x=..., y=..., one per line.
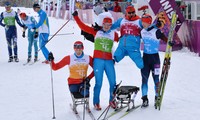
x=79, y=99
x=124, y=97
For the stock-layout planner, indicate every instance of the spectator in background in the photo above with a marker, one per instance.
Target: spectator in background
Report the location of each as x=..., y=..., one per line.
x=109, y=6
x=99, y=11
x=78, y=5
x=117, y=8
x=128, y=3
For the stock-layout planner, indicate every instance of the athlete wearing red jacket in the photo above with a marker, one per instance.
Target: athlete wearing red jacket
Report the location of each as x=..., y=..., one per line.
x=103, y=59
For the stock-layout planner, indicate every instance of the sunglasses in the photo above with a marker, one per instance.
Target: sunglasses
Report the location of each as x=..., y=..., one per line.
x=78, y=46
x=131, y=12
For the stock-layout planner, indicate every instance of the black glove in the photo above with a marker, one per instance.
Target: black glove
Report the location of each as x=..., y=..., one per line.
x=87, y=36
x=23, y=34
x=96, y=27
x=158, y=23
x=36, y=35
x=75, y=13
x=171, y=43
x=50, y=56
x=87, y=80
x=105, y=9
x=24, y=27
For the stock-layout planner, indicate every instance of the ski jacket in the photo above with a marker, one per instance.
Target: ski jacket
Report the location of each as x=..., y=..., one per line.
x=103, y=41
x=78, y=67
x=9, y=19
x=151, y=37
x=43, y=23
x=30, y=22
x=130, y=32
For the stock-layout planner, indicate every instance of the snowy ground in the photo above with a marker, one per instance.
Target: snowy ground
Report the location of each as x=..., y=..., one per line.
x=25, y=91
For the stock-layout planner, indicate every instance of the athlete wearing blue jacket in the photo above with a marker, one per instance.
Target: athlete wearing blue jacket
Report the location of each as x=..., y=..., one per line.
x=43, y=26
x=151, y=36
x=9, y=17
x=129, y=42
x=29, y=22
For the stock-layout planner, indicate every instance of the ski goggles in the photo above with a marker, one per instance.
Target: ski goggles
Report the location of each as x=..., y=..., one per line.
x=107, y=20
x=78, y=46
x=131, y=12
x=107, y=24
x=146, y=19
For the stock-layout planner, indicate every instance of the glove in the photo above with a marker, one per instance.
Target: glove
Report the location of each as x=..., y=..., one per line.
x=171, y=43
x=24, y=27
x=160, y=23
x=50, y=56
x=23, y=34
x=36, y=34
x=96, y=27
x=87, y=80
x=6, y=27
x=161, y=20
x=105, y=9
x=87, y=36
x=75, y=13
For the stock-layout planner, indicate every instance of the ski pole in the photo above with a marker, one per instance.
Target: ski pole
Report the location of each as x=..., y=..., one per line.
x=52, y=91
x=107, y=108
x=63, y=34
x=54, y=34
x=106, y=113
x=84, y=107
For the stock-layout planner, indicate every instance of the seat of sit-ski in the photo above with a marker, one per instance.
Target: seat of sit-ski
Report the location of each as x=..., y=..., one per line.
x=77, y=95
x=127, y=90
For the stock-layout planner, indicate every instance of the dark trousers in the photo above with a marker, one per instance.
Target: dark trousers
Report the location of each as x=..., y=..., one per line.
x=11, y=37
x=151, y=64
x=79, y=88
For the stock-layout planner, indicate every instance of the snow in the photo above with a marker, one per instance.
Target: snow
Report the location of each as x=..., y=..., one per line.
x=25, y=91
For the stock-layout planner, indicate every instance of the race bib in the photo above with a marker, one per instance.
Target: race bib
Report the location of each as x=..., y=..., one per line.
x=156, y=69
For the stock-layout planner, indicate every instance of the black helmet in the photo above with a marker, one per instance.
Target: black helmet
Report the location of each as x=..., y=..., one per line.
x=36, y=5
x=7, y=4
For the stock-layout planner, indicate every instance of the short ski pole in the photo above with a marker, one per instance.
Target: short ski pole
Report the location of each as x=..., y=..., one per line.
x=52, y=91
x=54, y=34
x=84, y=107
